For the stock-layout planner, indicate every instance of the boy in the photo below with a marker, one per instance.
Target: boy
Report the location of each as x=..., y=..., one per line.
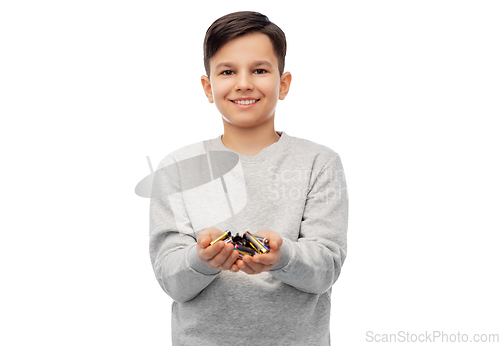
x=251, y=178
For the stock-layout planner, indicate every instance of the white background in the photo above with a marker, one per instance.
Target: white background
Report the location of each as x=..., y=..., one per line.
x=407, y=92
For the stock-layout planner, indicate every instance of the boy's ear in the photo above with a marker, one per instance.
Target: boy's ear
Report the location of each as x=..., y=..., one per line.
x=207, y=88
x=285, y=80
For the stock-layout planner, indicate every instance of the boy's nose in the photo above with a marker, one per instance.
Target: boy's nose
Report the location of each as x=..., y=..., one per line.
x=244, y=82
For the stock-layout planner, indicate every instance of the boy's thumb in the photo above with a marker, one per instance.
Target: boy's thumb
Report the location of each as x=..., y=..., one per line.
x=204, y=242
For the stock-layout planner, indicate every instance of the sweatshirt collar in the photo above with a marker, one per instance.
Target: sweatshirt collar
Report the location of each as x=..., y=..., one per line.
x=274, y=148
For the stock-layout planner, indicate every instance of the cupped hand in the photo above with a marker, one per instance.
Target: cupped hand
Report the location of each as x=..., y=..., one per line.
x=220, y=255
x=259, y=263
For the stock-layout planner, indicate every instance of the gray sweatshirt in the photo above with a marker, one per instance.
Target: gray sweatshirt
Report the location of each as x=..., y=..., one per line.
x=294, y=187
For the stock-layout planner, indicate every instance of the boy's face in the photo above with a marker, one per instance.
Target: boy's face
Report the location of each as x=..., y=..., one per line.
x=245, y=70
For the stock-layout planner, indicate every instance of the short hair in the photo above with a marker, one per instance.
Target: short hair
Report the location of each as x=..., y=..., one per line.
x=238, y=24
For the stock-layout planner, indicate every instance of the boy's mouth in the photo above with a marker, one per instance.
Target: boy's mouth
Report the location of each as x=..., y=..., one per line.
x=244, y=101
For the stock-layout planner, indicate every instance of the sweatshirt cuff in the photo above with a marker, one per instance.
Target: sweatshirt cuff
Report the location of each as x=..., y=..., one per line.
x=286, y=255
x=197, y=264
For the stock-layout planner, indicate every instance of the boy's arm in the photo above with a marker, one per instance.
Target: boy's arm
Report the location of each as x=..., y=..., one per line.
x=176, y=264
x=313, y=263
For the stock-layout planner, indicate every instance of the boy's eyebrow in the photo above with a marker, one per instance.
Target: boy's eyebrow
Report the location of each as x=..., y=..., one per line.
x=223, y=64
x=255, y=63
x=263, y=62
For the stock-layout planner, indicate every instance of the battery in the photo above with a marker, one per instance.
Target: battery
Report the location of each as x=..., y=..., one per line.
x=243, y=250
x=263, y=240
x=254, y=243
x=224, y=236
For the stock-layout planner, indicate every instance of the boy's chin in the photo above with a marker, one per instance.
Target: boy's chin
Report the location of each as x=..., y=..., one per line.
x=242, y=123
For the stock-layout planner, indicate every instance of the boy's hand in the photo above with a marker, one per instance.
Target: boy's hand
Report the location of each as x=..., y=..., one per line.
x=220, y=255
x=257, y=264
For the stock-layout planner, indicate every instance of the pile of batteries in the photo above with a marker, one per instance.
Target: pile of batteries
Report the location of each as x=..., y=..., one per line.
x=246, y=244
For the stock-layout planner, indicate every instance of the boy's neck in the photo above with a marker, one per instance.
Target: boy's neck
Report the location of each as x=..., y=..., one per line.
x=249, y=141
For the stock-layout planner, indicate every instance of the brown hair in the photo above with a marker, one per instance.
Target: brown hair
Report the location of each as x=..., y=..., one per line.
x=240, y=23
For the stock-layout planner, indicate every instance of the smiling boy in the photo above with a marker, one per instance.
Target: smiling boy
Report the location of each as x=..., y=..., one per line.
x=294, y=194
x=245, y=84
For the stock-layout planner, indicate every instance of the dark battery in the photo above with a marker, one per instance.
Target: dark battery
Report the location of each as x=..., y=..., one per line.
x=243, y=250
x=255, y=244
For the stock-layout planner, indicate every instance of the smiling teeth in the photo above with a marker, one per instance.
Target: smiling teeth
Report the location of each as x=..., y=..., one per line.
x=245, y=102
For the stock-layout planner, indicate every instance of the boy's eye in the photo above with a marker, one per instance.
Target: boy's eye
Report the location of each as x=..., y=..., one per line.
x=227, y=73
x=260, y=71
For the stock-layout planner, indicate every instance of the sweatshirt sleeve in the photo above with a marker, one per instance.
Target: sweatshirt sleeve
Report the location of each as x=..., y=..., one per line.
x=313, y=263
x=172, y=246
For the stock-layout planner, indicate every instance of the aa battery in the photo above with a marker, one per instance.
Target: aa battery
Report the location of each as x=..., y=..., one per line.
x=255, y=244
x=243, y=250
x=224, y=236
x=263, y=240
x=247, y=244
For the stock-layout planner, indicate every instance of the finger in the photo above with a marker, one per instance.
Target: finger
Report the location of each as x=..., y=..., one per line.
x=274, y=245
x=229, y=261
x=275, y=242
x=210, y=252
x=244, y=267
x=219, y=259
x=259, y=268
x=210, y=234
x=266, y=259
x=205, y=237
x=256, y=267
x=201, y=237
x=235, y=268
x=204, y=242
x=270, y=258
